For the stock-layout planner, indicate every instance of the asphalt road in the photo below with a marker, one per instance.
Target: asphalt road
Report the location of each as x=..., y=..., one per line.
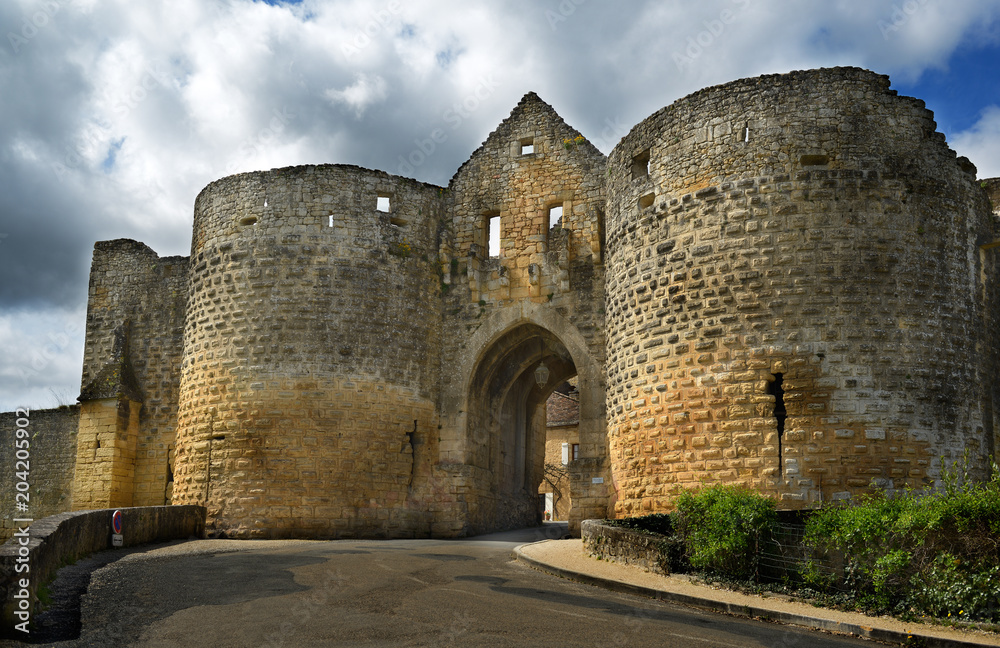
x=224, y=593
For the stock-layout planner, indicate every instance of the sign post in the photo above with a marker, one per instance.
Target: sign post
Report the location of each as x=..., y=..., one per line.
x=116, y=529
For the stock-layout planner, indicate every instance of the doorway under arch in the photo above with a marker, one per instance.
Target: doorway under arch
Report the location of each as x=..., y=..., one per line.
x=562, y=446
x=506, y=423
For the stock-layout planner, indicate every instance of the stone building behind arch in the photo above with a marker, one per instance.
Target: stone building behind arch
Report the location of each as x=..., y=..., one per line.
x=788, y=282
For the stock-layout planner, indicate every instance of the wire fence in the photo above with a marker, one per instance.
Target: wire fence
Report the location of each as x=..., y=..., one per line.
x=789, y=557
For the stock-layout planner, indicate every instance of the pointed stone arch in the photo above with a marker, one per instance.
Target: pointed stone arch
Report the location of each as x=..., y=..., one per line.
x=493, y=424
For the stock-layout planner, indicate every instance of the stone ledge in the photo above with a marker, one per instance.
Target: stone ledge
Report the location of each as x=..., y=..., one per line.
x=58, y=540
x=625, y=546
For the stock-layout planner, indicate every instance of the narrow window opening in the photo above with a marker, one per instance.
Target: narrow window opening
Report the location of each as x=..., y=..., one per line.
x=640, y=165
x=382, y=203
x=746, y=132
x=646, y=201
x=528, y=146
x=249, y=220
x=555, y=216
x=410, y=436
x=493, y=235
x=331, y=220
x=814, y=160
x=775, y=388
x=576, y=451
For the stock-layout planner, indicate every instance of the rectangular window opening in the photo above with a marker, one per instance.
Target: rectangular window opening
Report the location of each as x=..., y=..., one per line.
x=640, y=165
x=528, y=146
x=555, y=216
x=576, y=451
x=492, y=237
x=382, y=203
x=331, y=220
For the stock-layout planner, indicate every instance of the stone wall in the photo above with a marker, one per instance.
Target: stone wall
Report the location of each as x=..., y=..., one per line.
x=62, y=539
x=556, y=480
x=309, y=380
x=626, y=546
x=811, y=227
x=989, y=280
x=51, y=455
x=992, y=187
x=130, y=282
x=539, y=300
x=106, y=459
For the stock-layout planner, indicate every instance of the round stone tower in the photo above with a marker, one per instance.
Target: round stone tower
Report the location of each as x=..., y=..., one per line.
x=310, y=353
x=796, y=294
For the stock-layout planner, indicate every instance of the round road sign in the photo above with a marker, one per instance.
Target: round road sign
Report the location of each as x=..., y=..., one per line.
x=116, y=521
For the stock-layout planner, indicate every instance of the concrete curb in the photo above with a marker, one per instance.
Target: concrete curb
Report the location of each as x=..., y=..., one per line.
x=748, y=611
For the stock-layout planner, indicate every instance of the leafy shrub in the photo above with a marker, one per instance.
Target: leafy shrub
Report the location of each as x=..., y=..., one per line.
x=954, y=587
x=725, y=528
x=930, y=552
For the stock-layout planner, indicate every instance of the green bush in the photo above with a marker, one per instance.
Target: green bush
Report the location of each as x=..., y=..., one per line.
x=927, y=552
x=957, y=588
x=725, y=528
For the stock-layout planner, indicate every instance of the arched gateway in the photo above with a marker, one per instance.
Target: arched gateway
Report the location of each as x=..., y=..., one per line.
x=497, y=431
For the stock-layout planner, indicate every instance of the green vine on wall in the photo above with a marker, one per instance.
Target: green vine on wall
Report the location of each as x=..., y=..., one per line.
x=570, y=144
x=401, y=249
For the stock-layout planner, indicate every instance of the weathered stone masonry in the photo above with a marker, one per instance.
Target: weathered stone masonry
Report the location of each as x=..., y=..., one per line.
x=812, y=227
x=143, y=297
x=52, y=455
x=310, y=367
x=788, y=282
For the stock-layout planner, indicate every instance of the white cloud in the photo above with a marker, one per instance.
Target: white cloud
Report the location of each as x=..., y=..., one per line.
x=43, y=353
x=365, y=91
x=981, y=143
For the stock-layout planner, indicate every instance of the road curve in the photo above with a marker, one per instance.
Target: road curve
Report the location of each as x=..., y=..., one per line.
x=469, y=593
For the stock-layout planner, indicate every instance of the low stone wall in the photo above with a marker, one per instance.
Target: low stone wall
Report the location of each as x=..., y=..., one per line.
x=625, y=546
x=51, y=456
x=30, y=560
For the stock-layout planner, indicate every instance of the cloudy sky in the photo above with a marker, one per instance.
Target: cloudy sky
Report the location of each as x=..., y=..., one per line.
x=114, y=114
